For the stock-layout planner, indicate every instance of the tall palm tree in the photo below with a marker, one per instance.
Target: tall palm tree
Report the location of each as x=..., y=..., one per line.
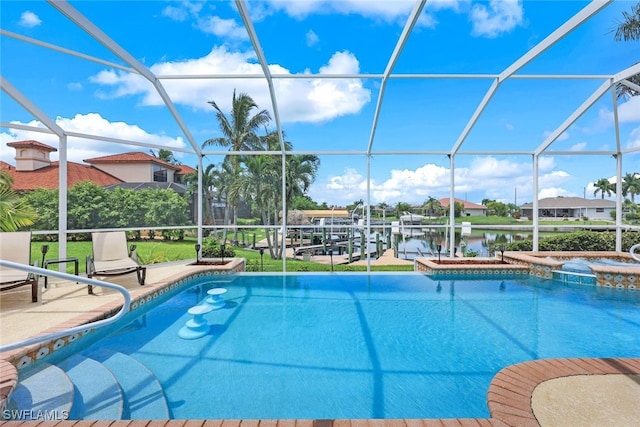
x=14, y=211
x=239, y=130
x=259, y=182
x=604, y=186
x=629, y=29
x=239, y=133
x=210, y=182
x=631, y=185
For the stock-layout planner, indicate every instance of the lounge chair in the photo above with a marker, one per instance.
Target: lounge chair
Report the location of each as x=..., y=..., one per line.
x=111, y=257
x=16, y=247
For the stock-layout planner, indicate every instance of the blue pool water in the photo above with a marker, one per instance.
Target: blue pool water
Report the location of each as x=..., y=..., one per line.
x=368, y=346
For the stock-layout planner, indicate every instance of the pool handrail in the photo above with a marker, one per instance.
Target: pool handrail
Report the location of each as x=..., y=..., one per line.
x=97, y=324
x=632, y=251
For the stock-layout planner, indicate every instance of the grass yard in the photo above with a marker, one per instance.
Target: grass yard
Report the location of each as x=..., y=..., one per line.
x=153, y=252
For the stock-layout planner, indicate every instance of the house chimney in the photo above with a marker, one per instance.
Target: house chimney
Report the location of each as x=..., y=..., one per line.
x=31, y=155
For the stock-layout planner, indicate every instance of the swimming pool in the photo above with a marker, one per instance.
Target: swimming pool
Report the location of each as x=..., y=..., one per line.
x=366, y=346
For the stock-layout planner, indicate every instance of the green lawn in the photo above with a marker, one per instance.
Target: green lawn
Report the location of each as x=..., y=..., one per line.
x=153, y=252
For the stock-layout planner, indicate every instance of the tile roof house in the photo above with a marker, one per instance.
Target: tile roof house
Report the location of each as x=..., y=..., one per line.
x=34, y=169
x=571, y=207
x=470, y=209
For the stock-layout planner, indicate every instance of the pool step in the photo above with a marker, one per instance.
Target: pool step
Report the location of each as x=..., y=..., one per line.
x=97, y=393
x=43, y=391
x=143, y=395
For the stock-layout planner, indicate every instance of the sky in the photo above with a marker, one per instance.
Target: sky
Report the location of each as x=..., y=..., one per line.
x=420, y=119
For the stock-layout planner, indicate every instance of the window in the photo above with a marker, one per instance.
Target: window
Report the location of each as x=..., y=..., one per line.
x=159, y=174
x=599, y=209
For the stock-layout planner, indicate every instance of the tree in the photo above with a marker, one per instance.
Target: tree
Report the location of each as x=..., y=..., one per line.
x=497, y=208
x=14, y=210
x=239, y=129
x=304, y=202
x=400, y=208
x=259, y=182
x=604, y=186
x=165, y=156
x=239, y=132
x=629, y=29
x=631, y=185
x=433, y=207
x=210, y=190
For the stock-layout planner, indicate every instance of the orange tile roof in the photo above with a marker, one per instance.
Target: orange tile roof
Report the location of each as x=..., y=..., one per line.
x=47, y=177
x=467, y=205
x=31, y=143
x=132, y=157
x=184, y=169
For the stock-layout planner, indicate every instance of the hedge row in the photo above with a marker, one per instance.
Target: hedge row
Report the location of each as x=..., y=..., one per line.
x=579, y=241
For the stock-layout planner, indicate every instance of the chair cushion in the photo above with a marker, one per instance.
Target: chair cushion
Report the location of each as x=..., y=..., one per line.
x=126, y=264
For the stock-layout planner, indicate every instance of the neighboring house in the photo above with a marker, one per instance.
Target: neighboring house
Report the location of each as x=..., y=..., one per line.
x=34, y=169
x=470, y=209
x=135, y=167
x=136, y=170
x=570, y=207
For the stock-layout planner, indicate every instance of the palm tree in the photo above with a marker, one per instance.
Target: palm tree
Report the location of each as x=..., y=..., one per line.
x=14, y=211
x=631, y=185
x=210, y=180
x=239, y=129
x=604, y=186
x=239, y=133
x=432, y=206
x=165, y=156
x=629, y=29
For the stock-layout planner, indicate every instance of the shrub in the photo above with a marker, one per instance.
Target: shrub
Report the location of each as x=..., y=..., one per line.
x=211, y=248
x=471, y=253
x=580, y=241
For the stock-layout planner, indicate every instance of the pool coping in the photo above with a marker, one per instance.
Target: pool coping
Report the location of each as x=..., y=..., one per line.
x=509, y=397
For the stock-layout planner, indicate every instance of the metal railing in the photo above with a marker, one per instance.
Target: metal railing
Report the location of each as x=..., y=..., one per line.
x=52, y=273
x=632, y=252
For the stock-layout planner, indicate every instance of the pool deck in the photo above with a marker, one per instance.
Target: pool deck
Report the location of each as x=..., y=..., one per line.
x=550, y=392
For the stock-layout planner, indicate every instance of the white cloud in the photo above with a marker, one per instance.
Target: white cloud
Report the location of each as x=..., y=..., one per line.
x=501, y=16
x=634, y=138
x=395, y=11
x=29, y=19
x=486, y=177
x=628, y=112
x=387, y=10
x=299, y=100
x=553, y=192
x=227, y=28
x=492, y=167
x=312, y=38
x=546, y=163
x=79, y=149
x=74, y=86
x=581, y=146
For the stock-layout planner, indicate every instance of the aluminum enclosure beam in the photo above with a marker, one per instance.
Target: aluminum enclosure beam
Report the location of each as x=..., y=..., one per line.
x=586, y=13
x=402, y=40
x=30, y=107
x=90, y=28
